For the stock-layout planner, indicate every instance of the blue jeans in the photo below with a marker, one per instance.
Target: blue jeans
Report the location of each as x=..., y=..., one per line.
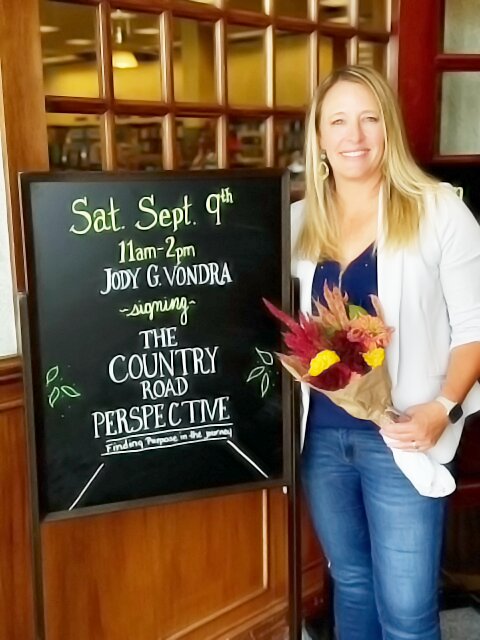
x=383, y=540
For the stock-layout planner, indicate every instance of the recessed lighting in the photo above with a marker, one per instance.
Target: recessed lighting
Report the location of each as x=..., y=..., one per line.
x=48, y=28
x=79, y=42
x=147, y=31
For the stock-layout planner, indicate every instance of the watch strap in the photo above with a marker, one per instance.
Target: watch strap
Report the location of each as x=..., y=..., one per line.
x=453, y=409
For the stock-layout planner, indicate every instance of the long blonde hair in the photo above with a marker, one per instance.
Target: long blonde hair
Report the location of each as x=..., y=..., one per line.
x=403, y=181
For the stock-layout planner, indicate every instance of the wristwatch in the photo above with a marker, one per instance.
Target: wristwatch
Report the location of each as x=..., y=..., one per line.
x=453, y=409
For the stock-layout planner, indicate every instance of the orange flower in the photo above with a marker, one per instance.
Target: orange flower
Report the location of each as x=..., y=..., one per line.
x=370, y=331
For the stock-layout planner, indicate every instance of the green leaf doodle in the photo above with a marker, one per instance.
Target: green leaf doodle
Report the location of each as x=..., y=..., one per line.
x=265, y=384
x=54, y=396
x=70, y=391
x=265, y=357
x=254, y=373
x=56, y=392
x=262, y=372
x=52, y=374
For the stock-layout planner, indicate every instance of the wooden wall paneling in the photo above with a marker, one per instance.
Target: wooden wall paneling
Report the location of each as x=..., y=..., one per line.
x=23, y=105
x=182, y=571
x=16, y=578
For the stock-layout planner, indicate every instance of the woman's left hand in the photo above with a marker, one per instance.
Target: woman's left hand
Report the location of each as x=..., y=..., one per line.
x=421, y=431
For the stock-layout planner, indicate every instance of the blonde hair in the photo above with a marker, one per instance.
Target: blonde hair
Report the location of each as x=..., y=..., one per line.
x=403, y=181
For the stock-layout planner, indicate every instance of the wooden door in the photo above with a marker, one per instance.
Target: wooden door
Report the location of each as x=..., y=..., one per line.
x=439, y=89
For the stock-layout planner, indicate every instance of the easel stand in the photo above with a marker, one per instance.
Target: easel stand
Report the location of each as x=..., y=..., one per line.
x=32, y=465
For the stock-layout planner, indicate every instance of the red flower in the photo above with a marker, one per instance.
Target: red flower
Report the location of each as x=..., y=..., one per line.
x=304, y=338
x=335, y=377
x=349, y=353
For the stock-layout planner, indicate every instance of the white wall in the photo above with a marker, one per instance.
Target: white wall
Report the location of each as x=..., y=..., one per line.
x=8, y=338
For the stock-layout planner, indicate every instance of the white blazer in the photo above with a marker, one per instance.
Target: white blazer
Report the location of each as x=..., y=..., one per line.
x=430, y=294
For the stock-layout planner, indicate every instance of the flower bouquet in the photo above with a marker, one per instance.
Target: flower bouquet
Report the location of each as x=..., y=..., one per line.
x=340, y=352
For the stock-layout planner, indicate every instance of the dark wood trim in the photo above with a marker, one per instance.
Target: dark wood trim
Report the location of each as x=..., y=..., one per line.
x=417, y=82
x=140, y=108
x=457, y=62
x=211, y=13
x=61, y=104
x=104, y=53
x=460, y=159
x=65, y=104
x=169, y=134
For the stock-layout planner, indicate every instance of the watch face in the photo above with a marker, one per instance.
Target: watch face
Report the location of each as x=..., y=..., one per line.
x=456, y=413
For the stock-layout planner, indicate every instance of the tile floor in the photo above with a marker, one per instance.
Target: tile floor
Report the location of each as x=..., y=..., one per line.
x=460, y=624
x=457, y=624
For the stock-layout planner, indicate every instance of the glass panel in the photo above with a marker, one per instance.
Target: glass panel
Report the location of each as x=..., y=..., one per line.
x=69, y=49
x=289, y=139
x=196, y=143
x=74, y=141
x=194, y=61
x=139, y=143
x=245, y=5
x=334, y=11
x=297, y=9
x=246, y=143
x=246, y=65
x=372, y=14
x=136, y=56
x=372, y=54
x=461, y=26
x=460, y=124
x=332, y=54
x=292, y=68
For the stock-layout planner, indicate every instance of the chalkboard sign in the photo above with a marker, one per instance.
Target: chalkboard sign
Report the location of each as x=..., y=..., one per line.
x=151, y=352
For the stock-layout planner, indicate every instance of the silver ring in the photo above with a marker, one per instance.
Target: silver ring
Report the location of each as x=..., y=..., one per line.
x=415, y=445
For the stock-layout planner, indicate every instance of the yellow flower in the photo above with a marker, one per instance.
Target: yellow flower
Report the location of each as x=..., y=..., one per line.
x=322, y=361
x=375, y=357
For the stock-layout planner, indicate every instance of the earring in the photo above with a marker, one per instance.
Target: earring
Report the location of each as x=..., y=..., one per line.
x=324, y=168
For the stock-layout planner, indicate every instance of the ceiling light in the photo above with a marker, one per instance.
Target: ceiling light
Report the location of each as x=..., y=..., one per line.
x=147, y=31
x=333, y=4
x=124, y=60
x=79, y=42
x=121, y=15
x=48, y=28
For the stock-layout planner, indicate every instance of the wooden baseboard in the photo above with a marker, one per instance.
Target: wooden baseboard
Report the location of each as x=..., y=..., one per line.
x=273, y=623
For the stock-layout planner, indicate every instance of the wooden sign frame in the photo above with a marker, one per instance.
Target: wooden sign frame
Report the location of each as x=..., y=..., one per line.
x=30, y=318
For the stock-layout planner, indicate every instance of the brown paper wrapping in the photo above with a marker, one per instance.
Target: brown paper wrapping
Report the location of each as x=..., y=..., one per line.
x=367, y=397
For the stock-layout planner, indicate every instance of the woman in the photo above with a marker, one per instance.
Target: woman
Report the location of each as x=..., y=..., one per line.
x=373, y=222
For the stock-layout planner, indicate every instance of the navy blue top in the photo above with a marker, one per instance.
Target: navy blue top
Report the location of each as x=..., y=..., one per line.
x=359, y=280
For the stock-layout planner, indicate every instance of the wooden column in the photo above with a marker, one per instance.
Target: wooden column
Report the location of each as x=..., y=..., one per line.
x=25, y=147
x=418, y=36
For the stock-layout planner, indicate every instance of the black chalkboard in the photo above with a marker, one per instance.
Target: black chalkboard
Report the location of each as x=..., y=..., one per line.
x=151, y=353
